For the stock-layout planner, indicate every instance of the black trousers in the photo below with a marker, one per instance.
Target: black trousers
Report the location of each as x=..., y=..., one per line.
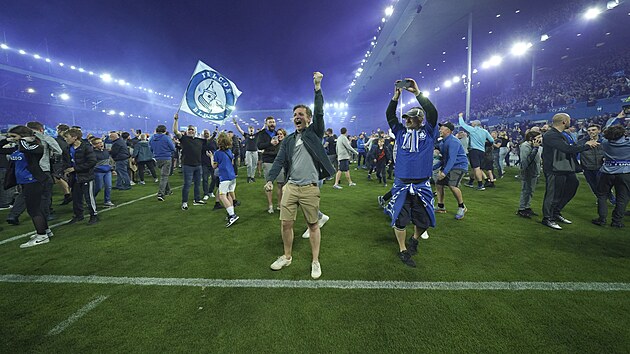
x=621, y=182
x=32, y=193
x=559, y=191
x=19, y=206
x=83, y=191
x=150, y=164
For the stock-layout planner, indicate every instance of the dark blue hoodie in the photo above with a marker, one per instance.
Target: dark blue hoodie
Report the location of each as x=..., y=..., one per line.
x=162, y=146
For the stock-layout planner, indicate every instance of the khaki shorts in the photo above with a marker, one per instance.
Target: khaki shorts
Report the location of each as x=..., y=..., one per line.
x=306, y=197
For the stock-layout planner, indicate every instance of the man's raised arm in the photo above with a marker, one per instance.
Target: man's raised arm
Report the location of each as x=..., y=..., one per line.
x=318, y=105
x=175, y=127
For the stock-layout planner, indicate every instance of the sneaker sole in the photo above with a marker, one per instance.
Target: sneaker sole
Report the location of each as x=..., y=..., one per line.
x=277, y=269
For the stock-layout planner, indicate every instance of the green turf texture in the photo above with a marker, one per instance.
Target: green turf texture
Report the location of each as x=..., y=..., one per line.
x=157, y=239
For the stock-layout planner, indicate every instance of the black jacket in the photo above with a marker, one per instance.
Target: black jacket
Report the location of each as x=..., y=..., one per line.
x=84, y=162
x=557, y=155
x=264, y=143
x=119, y=150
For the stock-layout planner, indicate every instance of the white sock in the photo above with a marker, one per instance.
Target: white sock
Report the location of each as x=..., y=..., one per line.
x=230, y=210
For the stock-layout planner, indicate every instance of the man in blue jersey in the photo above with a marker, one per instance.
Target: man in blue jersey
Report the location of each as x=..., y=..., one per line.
x=452, y=167
x=412, y=197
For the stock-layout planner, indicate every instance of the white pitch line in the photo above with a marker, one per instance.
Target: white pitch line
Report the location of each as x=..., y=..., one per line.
x=76, y=316
x=318, y=284
x=29, y=234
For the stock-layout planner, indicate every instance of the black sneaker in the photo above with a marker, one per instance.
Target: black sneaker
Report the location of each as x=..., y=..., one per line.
x=470, y=185
x=599, y=222
x=232, y=220
x=524, y=214
x=531, y=212
x=405, y=257
x=253, y=180
x=199, y=202
x=217, y=206
x=381, y=201
x=412, y=246
x=93, y=220
x=237, y=203
x=13, y=221
x=75, y=220
x=67, y=199
x=617, y=224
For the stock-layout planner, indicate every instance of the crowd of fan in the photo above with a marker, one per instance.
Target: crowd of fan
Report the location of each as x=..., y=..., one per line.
x=580, y=82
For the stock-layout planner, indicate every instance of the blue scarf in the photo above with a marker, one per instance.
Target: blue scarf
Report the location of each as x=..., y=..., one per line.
x=399, y=195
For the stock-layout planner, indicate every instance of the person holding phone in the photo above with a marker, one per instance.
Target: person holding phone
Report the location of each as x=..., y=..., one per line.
x=530, y=171
x=412, y=197
x=267, y=141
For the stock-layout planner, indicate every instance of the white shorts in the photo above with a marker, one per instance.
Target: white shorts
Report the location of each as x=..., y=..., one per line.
x=227, y=186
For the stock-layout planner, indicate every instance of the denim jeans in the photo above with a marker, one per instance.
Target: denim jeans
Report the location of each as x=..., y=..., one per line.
x=103, y=180
x=164, y=166
x=192, y=174
x=122, y=171
x=207, y=173
x=251, y=160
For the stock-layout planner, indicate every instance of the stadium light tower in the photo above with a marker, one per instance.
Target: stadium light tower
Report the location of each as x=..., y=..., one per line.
x=4, y=46
x=389, y=11
x=30, y=90
x=64, y=96
x=592, y=13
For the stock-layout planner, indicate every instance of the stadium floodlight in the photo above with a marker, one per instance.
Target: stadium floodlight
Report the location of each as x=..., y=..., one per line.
x=592, y=13
x=21, y=51
x=150, y=91
x=475, y=71
x=73, y=67
x=485, y=64
x=4, y=46
x=425, y=93
x=48, y=60
x=455, y=79
x=389, y=10
x=436, y=89
x=520, y=48
x=106, y=77
x=448, y=83
x=64, y=96
x=91, y=72
x=37, y=56
x=121, y=82
x=383, y=20
x=544, y=37
x=360, y=70
x=122, y=114
x=112, y=112
x=336, y=105
x=61, y=64
x=30, y=90
x=496, y=60
x=463, y=76
x=81, y=70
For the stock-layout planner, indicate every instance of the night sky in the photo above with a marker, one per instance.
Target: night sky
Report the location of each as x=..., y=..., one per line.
x=268, y=48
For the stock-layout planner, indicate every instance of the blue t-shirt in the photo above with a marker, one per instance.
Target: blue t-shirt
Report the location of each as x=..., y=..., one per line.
x=224, y=159
x=414, y=151
x=22, y=174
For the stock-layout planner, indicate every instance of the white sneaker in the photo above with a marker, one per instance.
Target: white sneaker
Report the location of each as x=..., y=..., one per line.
x=270, y=209
x=280, y=263
x=49, y=233
x=425, y=235
x=336, y=186
x=323, y=220
x=320, y=222
x=206, y=197
x=316, y=270
x=352, y=184
x=38, y=240
x=184, y=206
x=156, y=180
x=212, y=195
x=132, y=183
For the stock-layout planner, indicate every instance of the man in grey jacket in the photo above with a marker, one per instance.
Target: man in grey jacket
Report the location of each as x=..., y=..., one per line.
x=344, y=151
x=305, y=162
x=530, y=171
